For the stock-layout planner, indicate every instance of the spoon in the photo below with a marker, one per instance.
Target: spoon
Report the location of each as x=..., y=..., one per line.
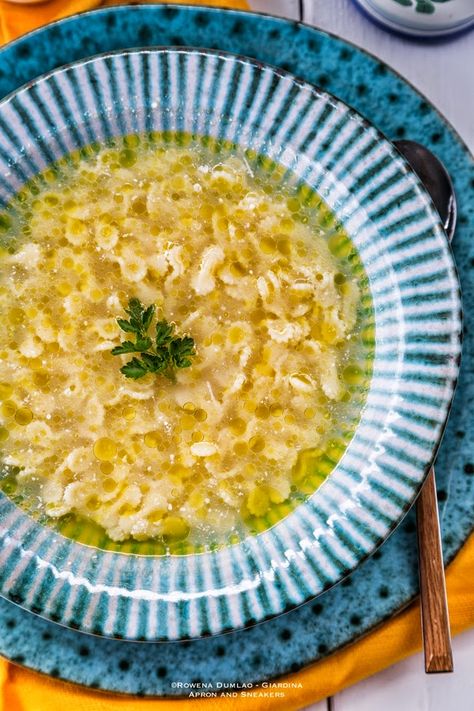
x=434, y=607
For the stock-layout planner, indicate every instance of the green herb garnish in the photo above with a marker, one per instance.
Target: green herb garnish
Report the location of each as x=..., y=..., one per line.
x=162, y=356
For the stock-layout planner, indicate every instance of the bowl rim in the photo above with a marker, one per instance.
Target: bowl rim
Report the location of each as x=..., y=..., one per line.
x=431, y=210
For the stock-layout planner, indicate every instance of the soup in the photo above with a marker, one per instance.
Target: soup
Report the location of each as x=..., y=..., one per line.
x=234, y=255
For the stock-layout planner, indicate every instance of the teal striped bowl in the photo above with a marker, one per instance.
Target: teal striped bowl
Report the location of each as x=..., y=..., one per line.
x=415, y=292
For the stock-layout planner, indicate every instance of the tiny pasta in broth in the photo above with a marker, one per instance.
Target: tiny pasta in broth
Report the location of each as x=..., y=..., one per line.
x=267, y=288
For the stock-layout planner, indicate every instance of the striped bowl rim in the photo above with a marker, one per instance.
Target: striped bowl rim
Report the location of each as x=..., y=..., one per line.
x=415, y=291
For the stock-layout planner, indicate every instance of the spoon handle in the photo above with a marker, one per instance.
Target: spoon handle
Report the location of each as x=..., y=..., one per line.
x=434, y=606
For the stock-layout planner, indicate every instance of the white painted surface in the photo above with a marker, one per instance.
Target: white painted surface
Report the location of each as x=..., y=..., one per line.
x=444, y=72
x=283, y=8
x=405, y=687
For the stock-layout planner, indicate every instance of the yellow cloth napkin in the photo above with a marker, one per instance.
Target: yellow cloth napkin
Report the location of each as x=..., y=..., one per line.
x=23, y=690
x=16, y=19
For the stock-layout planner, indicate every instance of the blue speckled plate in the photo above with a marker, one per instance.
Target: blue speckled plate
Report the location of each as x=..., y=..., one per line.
x=388, y=580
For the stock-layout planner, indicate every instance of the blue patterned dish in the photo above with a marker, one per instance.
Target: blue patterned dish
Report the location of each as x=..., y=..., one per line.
x=389, y=579
x=414, y=287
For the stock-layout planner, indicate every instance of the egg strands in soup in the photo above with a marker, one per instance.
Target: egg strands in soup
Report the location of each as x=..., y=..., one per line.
x=253, y=267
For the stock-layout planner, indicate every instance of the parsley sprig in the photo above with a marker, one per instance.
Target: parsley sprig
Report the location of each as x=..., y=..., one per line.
x=161, y=355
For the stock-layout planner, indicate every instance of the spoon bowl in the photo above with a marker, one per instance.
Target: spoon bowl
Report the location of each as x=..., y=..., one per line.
x=436, y=180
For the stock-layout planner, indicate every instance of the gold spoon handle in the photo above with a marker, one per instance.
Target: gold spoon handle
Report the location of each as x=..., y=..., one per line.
x=434, y=606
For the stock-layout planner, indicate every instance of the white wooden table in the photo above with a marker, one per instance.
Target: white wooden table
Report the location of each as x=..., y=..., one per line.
x=444, y=72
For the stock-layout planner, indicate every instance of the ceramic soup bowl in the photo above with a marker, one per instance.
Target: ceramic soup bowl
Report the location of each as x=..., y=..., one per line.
x=415, y=294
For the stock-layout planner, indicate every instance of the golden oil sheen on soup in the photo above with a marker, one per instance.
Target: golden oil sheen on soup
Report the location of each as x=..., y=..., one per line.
x=233, y=255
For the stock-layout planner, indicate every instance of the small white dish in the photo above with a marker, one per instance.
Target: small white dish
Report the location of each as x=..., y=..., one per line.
x=421, y=18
